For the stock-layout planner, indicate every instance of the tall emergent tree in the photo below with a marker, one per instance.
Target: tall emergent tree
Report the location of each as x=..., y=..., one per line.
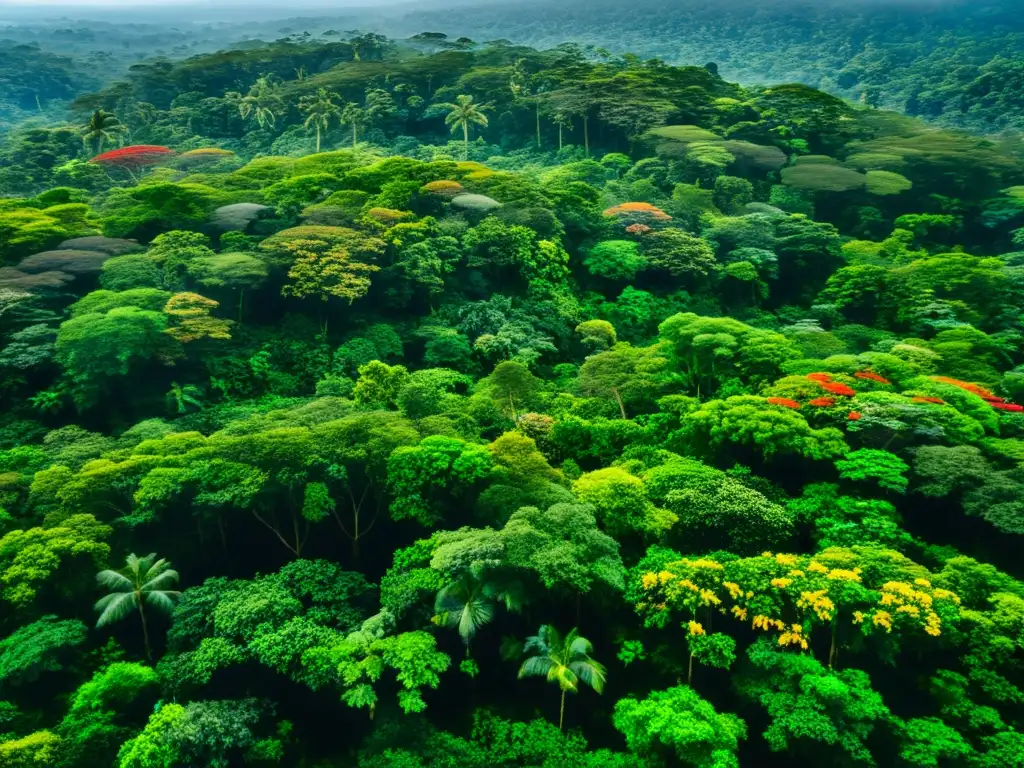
x=320, y=110
x=101, y=128
x=462, y=114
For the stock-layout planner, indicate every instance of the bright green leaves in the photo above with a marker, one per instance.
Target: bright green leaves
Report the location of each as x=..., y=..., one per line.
x=43, y=646
x=677, y=722
x=870, y=466
x=424, y=478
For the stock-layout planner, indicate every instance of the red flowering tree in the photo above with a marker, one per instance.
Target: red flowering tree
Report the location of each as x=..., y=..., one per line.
x=785, y=402
x=836, y=388
x=967, y=386
x=871, y=376
x=822, y=402
x=135, y=158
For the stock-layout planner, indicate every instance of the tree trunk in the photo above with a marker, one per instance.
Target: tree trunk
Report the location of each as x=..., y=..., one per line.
x=561, y=712
x=512, y=405
x=586, y=134
x=145, y=629
x=560, y=128
x=833, y=651
x=537, y=112
x=689, y=672
x=465, y=138
x=618, y=399
x=241, y=298
x=354, y=136
x=318, y=138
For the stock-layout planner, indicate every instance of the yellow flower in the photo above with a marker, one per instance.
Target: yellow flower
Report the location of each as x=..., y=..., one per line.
x=649, y=580
x=734, y=589
x=705, y=563
x=794, y=637
x=882, y=619
x=816, y=567
x=945, y=594
x=781, y=583
x=666, y=576
x=763, y=622
x=840, y=574
x=767, y=554
x=696, y=628
x=708, y=597
x=786, y=559
x=922, y=582
x=689, y=585
x=913, y=610
x=858, y=617
x=796, y=573
x=739, y=613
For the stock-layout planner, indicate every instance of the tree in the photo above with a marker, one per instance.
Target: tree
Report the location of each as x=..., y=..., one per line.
x=355, y=116
x=879, y=467
x=469, y=602
x=510, y=383
x=102, y=127
x=462, y=114
x=142, y=582
x=678, y=722
x=320, y=110
x=262, y=103
x=625, y=372
x=565, y=661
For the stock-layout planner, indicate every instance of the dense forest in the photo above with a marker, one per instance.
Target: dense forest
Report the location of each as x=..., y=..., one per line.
x=436, y=403
x=954, y=62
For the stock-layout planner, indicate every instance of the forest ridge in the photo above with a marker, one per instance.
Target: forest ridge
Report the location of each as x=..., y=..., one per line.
x=423, y=403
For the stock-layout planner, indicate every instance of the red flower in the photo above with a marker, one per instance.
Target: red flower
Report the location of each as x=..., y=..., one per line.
x=839, y=389
x=871, y=376
x=822, y=402
x=855, y=416
x=935, y=400
x=821, y=378
x=785, y=402
x=1012, y=407
x=974, y=389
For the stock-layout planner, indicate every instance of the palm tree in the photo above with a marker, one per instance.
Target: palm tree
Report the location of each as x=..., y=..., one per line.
x=355, y=116
x=320, y=109
x=261, y=103
x=143, y=581
x=180, y=398
x=461, y=114
x=101, y=128
x=565, y=661
x=470, y=602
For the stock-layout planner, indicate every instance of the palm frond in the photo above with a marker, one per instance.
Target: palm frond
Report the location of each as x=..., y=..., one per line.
x=114, y=607
x=590, y=672
x=162, y=601
x=114, y=580
x=161, y=581
x=535, y=666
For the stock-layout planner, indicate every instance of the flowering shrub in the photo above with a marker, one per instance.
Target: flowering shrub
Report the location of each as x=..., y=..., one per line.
x=638, y=229
x=925, y=399
x=855, y=416
x=871, y=376
x=821, y=378
x=837, y=388
x=822, y=402
x=785, y=402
